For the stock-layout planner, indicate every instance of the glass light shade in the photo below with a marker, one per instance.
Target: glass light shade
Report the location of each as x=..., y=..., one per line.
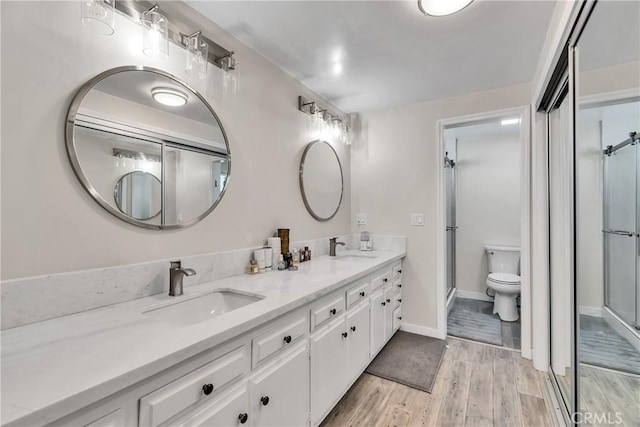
x=442, y=7
x=169, y=97
x=98, y=15
x=155, y=34
x=197, y=57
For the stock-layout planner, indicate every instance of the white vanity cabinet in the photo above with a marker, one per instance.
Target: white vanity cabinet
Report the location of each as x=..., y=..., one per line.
x=279, y=393
x=229, y=409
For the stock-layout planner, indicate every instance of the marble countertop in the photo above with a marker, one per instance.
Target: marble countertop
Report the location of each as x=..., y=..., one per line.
x=53, y=368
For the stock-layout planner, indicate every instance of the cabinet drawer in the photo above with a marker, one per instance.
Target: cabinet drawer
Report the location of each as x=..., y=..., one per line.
x=170, y=400
x=381, y=278
x=230, y=409
x=397, y=317
x=397, y=286
x=277, y=338
x=326, y=311
x=397, y=299
x=357, y=293
x=397, y=270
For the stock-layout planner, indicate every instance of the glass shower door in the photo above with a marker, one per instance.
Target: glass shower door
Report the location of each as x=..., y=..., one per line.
x=620, y=238
x=450, y=197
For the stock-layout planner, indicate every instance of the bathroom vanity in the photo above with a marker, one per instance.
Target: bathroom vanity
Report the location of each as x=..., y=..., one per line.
x=286, y=348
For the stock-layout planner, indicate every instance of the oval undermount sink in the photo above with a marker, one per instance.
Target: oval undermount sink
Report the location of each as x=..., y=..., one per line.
x=198, y=309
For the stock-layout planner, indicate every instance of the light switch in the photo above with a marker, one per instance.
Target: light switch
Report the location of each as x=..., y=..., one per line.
x=361, y=219
x=417, y=219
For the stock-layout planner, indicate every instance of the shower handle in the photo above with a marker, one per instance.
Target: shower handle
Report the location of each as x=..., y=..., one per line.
x=451, y=227
x=620, y=232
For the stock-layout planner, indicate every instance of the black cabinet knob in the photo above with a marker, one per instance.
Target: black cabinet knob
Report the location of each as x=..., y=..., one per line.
x=385, y=280
x=287, y=339
x=207, y=389
x=388, y=300
x=384, y=303
x=344, y=335
x=399, y=285
x=399, y=271
x=243, y=418
x=332, y=311
x=264, y=400
x=399, y=299
x=362, y=294
x=353, y=329
x=399, y=317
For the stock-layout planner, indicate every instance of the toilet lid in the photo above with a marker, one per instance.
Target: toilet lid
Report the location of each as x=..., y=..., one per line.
x=505, y=278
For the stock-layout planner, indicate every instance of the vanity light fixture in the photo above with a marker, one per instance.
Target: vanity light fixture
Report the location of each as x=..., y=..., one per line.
x=169, y=97
x=155, y=33
x=197, y=55
x=98, y=15
x=507, y=122
x=442, y=7
x=325, y=124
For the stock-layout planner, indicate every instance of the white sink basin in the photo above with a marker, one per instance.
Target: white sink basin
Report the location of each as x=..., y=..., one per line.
x=198, y=309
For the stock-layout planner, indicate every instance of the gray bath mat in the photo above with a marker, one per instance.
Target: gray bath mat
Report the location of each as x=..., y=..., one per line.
x=474, y=326
x=409, y=359
x=601, y=345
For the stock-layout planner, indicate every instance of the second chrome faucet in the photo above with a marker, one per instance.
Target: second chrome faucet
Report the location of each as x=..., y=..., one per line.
x=176, y=275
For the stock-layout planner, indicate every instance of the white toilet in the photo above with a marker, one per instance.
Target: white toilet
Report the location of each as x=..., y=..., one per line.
x=503, y=279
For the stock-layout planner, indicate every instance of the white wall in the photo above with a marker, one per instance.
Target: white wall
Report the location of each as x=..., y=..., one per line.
x=49, y=222
x=393, y=174
x=488, y=202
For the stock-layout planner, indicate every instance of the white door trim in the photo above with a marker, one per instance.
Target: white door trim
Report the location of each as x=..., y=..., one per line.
x=524, y=112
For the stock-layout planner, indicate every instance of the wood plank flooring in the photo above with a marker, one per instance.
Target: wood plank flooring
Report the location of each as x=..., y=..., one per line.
x=477, y=385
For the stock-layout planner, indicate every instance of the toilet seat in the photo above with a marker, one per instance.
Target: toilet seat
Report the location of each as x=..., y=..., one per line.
x=504, y=278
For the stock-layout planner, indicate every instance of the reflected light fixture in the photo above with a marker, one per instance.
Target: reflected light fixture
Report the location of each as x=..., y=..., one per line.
x=442, y=7
x=98, y=16
x=169, y=97
x=155, y=33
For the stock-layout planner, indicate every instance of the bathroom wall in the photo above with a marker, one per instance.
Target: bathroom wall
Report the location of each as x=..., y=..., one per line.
x=393, y=174
x=488, y=202
x=49, y=222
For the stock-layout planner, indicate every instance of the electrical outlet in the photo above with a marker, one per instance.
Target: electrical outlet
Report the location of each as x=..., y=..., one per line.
x=417, y=219
x=361, y=219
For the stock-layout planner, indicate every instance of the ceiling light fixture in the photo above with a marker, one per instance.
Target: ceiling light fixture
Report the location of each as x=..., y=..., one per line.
x=169, y=97
x=442, y=7
x=507, y=122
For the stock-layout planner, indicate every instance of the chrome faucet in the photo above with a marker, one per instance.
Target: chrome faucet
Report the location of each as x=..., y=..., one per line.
x=332, y=245
x=176, y=274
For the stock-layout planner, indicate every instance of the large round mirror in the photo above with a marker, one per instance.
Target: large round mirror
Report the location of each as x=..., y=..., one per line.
x=152, y=141
x=321, y=180
x=137, y=194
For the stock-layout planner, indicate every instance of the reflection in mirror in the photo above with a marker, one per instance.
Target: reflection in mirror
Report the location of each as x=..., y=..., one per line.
x=141, y=119
x=607, y=205
x=321, y=180
x=137, y=194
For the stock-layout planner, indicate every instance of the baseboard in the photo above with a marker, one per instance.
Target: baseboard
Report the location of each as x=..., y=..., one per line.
x=591, y=311
x=620, y=327
x=473, y=295
x=421, y=330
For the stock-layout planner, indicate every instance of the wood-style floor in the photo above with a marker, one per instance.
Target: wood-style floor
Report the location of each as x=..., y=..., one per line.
x=477, y=385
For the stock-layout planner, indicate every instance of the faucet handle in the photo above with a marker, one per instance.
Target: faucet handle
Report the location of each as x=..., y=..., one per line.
x=333, y=239
x=176, y=264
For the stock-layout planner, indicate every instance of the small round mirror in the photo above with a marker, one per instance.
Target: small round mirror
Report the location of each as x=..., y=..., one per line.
x=137, y=194
x=321, y=181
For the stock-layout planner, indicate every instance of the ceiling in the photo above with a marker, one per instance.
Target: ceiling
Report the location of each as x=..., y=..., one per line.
x=366, y=55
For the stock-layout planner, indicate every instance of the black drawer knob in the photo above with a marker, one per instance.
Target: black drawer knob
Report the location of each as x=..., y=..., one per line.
x=332, y=311
x=344, y=335
x=399, y=317
x=385, y=280
x=399, y=299
x=243, y=418
x=264, y=400
x=388, y=300
x=399, y=271
x=362, y=294
x=207, y=389
x=399, y=285
x=353, y=329
x=384, y=303
x=287, y=339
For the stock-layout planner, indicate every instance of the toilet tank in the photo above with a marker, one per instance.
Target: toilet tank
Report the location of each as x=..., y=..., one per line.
x=503, y=259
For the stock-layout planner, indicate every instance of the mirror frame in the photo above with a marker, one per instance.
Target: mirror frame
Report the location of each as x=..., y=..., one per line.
x=115, y=193
x=75, y=161
x=301, y=180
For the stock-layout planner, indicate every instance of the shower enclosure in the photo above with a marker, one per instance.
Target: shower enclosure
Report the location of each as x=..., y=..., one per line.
x=621, y=228
x=450, y=197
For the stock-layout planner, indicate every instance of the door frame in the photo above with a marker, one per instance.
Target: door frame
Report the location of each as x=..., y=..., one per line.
x=524, y=112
